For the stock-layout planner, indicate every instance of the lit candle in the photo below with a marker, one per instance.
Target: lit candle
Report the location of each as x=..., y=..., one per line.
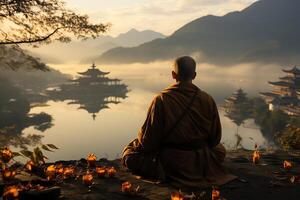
x=59, y=169
x=50, y=172
x=29, y=165
x=255, y=157
x=126, y=187
x=101, y=171
x=11, y=192
x=88, y=179
x=176, y=196
x=6, y=155
x=215, y=194
x=111, y=172
x=8, y=174
x=69, y=172
x=91, y=159
x=287, y=165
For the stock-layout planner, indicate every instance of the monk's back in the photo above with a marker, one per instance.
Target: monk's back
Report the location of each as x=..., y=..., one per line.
x=190, y=152
x=198, y=115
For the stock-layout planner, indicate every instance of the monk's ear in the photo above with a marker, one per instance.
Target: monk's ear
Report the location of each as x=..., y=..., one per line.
x=194, y=76
x=174, y=75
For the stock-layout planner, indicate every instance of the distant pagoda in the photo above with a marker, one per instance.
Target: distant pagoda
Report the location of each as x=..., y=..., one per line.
x=285, y=93
x=92, y=91
x=237, y=107
x=94, y=76
x=237, y=101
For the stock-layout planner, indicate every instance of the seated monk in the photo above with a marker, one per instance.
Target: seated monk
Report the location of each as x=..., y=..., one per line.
x=180, y=139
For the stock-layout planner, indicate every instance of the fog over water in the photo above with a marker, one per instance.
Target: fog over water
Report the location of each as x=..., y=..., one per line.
x=77, y=134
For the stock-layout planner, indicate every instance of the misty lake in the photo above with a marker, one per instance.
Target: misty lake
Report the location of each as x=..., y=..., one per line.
x=76, y=133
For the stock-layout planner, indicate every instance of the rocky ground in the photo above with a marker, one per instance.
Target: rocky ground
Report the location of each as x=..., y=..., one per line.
x=267, y=180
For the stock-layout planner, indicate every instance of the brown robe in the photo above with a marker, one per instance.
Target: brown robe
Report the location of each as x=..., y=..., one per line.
x=153, y=153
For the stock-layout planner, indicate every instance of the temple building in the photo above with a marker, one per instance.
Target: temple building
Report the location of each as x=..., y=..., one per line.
x=285, y=93
x=92, y=91
x=237, y=107
x=237, y=100
x=94, y=76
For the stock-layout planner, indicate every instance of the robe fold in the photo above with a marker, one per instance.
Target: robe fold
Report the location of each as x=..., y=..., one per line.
x=187, y=151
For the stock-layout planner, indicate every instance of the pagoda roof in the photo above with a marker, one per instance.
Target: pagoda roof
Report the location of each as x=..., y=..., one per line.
x=294, y=70
x=289, y=78
x=103, y=79
x=93, y=71
x=239, y=92
x=280, y=83
x=237, y=96
x=269, y=94
x=115, y=79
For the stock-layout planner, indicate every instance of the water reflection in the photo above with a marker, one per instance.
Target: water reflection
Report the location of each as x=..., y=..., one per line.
x=92, y=91
x=238, y=109
x=15, y=117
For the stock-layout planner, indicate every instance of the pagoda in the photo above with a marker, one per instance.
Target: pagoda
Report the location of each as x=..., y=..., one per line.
x=237, y=101
x=237, y=107
x=93, y=91
x=285, y=93
x=94, y=76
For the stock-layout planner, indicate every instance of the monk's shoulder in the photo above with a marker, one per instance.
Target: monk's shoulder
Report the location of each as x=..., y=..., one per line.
x=207, y=98
x=158, y=98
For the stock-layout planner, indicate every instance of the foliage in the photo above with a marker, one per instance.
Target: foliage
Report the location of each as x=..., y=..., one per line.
x=37, y=156
x=260, y=110
x=36, y=21
x=277, y=125
x=13, y=57
x=290, y=138
x=271, y=122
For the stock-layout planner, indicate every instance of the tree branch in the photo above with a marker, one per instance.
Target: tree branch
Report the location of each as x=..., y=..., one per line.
x=30, y=41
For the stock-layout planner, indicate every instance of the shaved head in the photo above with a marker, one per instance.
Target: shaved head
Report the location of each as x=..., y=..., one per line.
x=185, y=68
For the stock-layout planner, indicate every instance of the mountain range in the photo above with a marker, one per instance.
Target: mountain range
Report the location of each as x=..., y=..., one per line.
x=267, y=31
x=88, y=50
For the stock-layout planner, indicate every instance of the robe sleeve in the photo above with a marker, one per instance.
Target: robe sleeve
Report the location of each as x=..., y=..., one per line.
x=216, y=128
x=150, y=135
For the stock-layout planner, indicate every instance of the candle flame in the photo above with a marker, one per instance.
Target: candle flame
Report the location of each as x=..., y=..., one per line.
x=29, y=165
x=111, y=172
x=91, y=159
x=126, y=187
x=50, y=172
x=6, y=155
x=8, y=174
x=215, y=194
x=101, y=171
x=255, y=157
x=87, y=179
x=11, y=192
x=177, y=196
x=287, y=165
x=68, y=172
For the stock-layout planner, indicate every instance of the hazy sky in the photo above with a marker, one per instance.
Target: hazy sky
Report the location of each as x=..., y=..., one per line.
x=164, y=16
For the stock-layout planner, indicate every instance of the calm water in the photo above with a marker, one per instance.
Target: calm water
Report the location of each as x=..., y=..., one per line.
x=77, y=134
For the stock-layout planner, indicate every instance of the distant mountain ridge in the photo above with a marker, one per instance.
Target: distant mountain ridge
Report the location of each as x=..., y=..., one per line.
x=266, y=31
x=86, y=51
